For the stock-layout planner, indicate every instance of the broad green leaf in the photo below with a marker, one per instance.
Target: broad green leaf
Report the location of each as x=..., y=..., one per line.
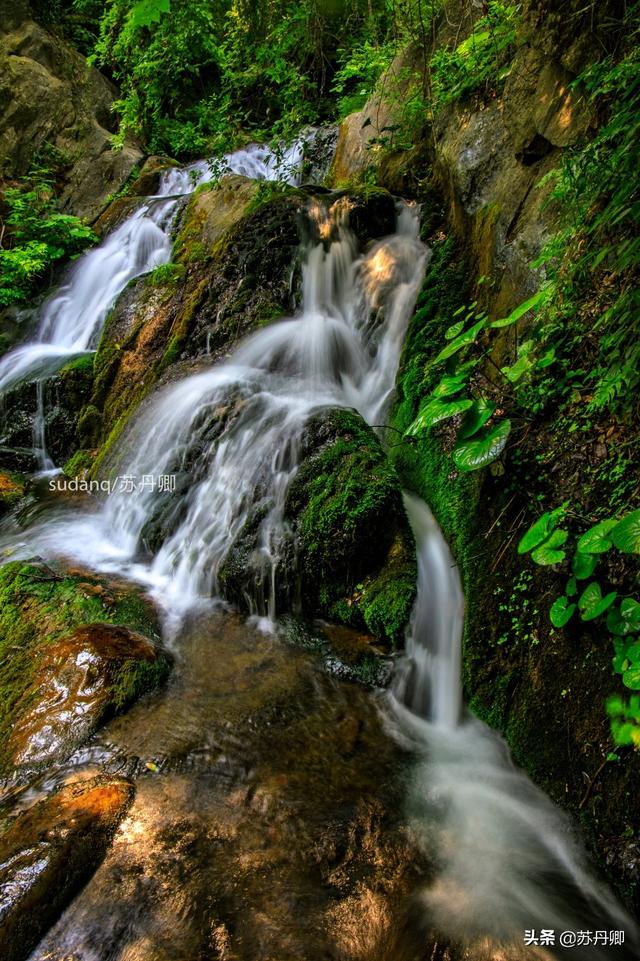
x=561, y=611
x=633, y=653
x=450, y=384
x=572, y=587
x=631, y=678
x=521, y=309
x=468, y=337
x=454, y=330
x=548, y=552
x=483, y=448
x=476, y=417
x=625, y=619
x=592, y=603
x=145, y=12
x=583, y=565
x=436, y=411
x=521, y=367
x=597, y=540
x=626, y=533
x=540, y=530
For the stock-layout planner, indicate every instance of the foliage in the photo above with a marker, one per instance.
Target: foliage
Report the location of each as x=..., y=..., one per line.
x=198, y=76
x=479, y=61
x=463, y=388
x=597, y=254
x=35, y=235
x=543, y=539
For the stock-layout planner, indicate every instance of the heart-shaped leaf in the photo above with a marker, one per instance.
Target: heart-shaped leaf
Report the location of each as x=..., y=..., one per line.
x=454, y=330
x=450, y=384
x=572, y=587
x=561, y=611
x=476, y=417
x=438, y=410
x=583, y=565
x=633, y=653
x=631, y=678
x=548, y=552
x=597, y=540
x=592, y=603
x=626, y=533
x=483, y=448
x=625, y=619
x=468, y=337
x=521, y=309
x=540, y=529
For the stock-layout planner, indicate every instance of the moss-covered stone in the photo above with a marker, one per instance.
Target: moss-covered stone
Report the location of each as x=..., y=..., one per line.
x=12, y=486
x=73, y=634
x=355, y=550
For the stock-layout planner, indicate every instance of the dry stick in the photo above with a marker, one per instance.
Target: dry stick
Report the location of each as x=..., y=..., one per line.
x=502, y=552
x=500, y=514
x=590, y=786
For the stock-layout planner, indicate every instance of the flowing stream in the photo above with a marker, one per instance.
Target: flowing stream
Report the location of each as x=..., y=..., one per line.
x=505, y=860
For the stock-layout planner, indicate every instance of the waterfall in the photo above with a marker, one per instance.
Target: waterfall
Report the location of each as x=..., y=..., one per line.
x=508, y=862
x=505, y=856
x=232, y=432
x=71, y=319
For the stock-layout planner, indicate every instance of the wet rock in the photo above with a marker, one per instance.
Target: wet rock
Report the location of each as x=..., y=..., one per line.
x=350, y=555
x=11, y=490
x=49, y=851
x=73, y=654
x=64, y=394
x=48, y=94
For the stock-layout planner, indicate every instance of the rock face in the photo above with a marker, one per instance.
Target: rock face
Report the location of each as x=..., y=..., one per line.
x=351, y=555
x=69, y=661
x=64, y=395
x=48, y=95
x=49, y=851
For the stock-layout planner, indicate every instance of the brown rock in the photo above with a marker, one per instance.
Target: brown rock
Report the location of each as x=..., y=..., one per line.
x=81, y=681
x=49, y=851
x=48, y=95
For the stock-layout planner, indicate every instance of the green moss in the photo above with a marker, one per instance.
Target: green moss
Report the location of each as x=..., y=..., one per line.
x=12, y=486
x=135, y=678
x=39, y=605
x=79, y=462
x=169, y=275
x=83, y=364
x=352, y=527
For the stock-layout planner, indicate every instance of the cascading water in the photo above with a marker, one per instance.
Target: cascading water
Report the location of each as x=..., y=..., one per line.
x=71, y=319
x=506, y=862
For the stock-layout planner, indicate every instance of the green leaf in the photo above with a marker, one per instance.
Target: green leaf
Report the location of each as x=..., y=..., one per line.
x=548, y=552
x=572, y=587
x=561, y=611
x=583, y=565
x=631, y=678
x=468, y=337
x=436, y=411
x=626, y=533
x=454, y=330
x=476, y=417
x=597, y=540
x=450, y=384
x=625, y=619
x=592, y=603
x=482, y=449
x=540, y=529
x=521, y=309
x=145, y=12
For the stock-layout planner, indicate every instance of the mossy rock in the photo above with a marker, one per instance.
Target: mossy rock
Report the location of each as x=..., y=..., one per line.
x=12, y=487
x=68, y=637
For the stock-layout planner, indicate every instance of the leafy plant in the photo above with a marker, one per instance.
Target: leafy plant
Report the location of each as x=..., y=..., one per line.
x=36, y=236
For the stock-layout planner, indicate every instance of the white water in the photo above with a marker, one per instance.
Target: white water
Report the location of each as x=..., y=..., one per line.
x=71, y=319
x=235, y=429
x=508, y=861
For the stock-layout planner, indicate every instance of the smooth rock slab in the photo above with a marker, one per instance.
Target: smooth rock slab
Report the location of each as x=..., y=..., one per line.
x=49, y=851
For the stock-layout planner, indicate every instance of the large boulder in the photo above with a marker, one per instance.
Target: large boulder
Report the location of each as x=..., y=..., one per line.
x=49, y=851
x=49, y=95
x=351, y=556
x=75, y=650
